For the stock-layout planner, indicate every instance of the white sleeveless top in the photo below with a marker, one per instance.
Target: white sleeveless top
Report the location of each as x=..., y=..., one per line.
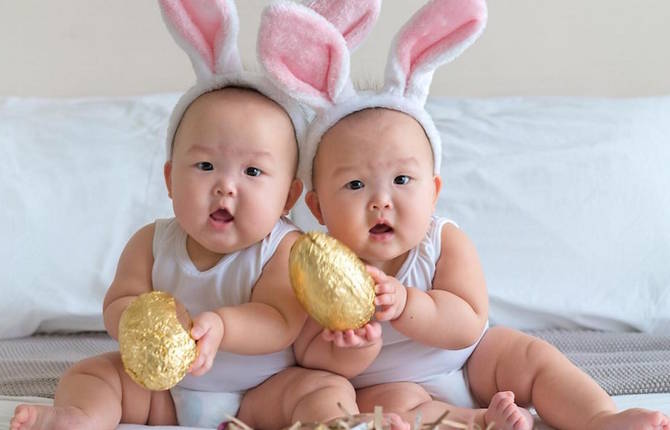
x=229, y=283
x=401, y=358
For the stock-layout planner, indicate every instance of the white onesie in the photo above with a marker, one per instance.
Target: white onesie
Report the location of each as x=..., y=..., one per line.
x=204, y=401
x=437, y=370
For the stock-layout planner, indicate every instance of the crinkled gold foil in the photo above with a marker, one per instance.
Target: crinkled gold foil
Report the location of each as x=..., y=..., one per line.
x=331, y=282
x=156, y=349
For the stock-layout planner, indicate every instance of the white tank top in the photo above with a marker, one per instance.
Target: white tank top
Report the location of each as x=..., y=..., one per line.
x=229, y=283
x=401, y=358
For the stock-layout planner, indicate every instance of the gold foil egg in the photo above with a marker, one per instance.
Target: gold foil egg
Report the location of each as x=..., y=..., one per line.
x=156, y=349
x=331, y=282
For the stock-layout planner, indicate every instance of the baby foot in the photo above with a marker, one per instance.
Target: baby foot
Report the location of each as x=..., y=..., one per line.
x=39, y=417
x=631, y=419
x=506, y=415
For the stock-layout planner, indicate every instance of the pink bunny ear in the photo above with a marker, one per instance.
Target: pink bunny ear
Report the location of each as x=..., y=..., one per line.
x=353, y=18
x=435, y=35
x=207, y=31
x=303, y=54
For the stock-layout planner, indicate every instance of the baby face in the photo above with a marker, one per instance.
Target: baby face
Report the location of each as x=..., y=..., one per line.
x=374, y=186
x=231, y=175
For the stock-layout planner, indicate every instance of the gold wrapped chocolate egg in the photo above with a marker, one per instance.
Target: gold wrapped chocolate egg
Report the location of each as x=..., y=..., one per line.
x=331, y=282
x=156, y=349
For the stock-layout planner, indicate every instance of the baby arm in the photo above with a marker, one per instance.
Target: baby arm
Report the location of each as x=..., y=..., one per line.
x=453, y=313
x=347, y=353
x=133, y=277
x=273, y=318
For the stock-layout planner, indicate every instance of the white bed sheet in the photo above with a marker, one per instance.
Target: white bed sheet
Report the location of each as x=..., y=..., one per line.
x=7, y=405
x=656, y=401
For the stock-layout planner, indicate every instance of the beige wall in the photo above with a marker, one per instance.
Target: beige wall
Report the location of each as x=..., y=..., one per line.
x=531, y=47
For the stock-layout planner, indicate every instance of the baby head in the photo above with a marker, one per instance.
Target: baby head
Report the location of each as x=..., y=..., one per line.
x=374, y=156
x=374, y=185
x=231, y=175
x=231, y=140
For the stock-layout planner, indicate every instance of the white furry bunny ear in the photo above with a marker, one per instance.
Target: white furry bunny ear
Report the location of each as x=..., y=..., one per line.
x=304, y=54
x=435, y=35
x=353, y=18
x=207, y=31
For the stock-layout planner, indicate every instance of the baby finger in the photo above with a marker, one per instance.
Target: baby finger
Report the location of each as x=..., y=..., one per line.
x=383, y=288
x=385, y=300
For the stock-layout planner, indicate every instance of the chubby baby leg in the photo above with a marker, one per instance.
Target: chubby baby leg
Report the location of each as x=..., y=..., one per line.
x=407, y=399
x=96, y=393
x=297, y=394
x=540, y=375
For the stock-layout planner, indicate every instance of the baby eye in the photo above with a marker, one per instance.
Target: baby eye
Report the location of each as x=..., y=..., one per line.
x=354, y=185
x=253, y=171
x=204, y=165
x=401, y=180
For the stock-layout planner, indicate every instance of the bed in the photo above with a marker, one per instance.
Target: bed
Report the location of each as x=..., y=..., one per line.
x=566, y=200
x=632, y=367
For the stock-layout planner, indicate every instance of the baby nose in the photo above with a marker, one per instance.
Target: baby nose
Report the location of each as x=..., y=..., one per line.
x=224, y=188
x=382, y=202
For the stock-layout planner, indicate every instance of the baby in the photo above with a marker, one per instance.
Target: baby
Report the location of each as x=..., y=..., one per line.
x=371, y=164
x=232, y=158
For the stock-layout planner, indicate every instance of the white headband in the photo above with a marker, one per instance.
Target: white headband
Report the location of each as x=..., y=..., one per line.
x=305, y=50
x=207, y=31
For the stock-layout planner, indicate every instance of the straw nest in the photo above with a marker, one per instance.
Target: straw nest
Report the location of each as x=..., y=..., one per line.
x=375, y=421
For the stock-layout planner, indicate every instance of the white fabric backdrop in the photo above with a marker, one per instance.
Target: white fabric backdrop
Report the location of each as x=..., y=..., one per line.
x=566, y=200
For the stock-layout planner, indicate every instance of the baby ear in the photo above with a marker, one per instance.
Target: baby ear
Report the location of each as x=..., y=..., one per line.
x=303, y=53
x=167, y=173
x=435, y=35
x=312, y=202
x=353, y=18
x=293, y=195
x=207, y=30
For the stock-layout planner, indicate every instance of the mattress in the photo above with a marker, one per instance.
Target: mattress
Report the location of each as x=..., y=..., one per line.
x=655, y=401
x=632, y=367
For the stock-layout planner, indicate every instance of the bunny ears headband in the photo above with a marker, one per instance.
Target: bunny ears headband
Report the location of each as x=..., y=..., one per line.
x=305, y=49
x=207, y=31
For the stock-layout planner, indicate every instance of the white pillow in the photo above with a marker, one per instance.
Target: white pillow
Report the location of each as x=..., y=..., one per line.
x=568, y=203
x=77, y=178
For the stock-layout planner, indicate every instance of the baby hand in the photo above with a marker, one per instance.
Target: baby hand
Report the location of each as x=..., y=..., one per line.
x=369, y=334
x=391, y=295
x=207, y=331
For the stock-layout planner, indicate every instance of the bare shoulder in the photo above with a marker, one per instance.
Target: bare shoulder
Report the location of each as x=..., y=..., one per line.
x=274, y=287
x=279, y=259
x=275, y=271
x=455, y=244
x=143, y=237
x=288, y=241
x=139, y=248
x=458, y=264
x=133, y=273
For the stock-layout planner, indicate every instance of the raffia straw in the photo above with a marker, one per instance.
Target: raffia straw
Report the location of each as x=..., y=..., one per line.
x=378, y=418
x=434, y=424
x=377, y=423
x=418, y=418
x=343, y=409
x=339, y=424
x=238, y=423
x=296, y=425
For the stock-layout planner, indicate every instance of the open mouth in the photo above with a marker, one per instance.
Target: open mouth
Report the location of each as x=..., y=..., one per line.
x=381, y=229
x=221, y=216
